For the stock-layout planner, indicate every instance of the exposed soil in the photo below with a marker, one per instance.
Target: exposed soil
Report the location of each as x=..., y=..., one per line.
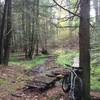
x=13, y=79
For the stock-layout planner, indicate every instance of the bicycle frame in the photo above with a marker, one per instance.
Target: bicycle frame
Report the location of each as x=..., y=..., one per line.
x=72, y=81
x=72, y=76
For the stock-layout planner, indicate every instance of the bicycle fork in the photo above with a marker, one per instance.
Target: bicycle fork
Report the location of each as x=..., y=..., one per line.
x=72, y=86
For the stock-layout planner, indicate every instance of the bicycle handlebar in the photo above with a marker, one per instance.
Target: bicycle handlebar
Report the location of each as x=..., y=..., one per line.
x=74, y=69
x=68, y=65
x=72, y=66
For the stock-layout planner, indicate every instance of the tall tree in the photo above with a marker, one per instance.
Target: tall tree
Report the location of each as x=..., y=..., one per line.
x=32, y=37
x=84, y=43
x=37, y=26
x=8, y=34
x=95, y=36
x=2, y=31
x=0, y=12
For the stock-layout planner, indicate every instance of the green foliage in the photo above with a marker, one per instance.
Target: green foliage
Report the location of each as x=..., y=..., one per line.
x=2, y=81
x=95, y=83
x=95, y=66
x=63, y=58
x=28, y=63
x=66, y=57
x=95, y=54
x=95, y=78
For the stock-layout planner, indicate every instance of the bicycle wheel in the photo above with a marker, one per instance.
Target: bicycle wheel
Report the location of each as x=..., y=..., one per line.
x=78, y=87
x=66, y=84
x=71, y=95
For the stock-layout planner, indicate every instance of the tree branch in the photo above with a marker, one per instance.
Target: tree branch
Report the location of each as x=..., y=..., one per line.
x=66, y=9
x=70, y=11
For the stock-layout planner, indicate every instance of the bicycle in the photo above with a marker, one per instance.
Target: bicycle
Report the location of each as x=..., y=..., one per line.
x=72, y=83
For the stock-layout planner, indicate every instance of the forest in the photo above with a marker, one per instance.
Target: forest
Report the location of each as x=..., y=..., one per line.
x=49, y=50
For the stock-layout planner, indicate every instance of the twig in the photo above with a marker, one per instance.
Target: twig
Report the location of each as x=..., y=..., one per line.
x=7, y=33
x=66, y=9
x=70, y=11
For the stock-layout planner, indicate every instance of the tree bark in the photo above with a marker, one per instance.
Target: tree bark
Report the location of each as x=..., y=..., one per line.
x=2, y=32
x=7, y=41
x=37, y=27
x=84, y=44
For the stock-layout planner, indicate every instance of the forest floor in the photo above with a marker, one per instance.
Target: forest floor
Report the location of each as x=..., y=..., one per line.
x=13, y=79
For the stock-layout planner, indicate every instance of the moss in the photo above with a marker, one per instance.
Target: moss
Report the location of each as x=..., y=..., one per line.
x=28, y=63
x=2, y=81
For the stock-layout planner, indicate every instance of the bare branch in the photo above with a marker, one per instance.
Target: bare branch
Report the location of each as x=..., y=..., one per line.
x=66, y=9
x=70, y=11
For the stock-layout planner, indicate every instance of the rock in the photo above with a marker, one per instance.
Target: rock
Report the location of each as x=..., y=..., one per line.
x=39, y=69
x=41, y=83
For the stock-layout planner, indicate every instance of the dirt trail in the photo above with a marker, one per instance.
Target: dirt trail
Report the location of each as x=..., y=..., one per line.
x=13, y=79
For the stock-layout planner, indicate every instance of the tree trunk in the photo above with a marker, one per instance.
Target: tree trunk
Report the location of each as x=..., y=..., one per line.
x=32, y=42
x=2, y=32
x=24, y=30
x=0, y=12
x=37, y=27
x=84, y=43
x=44, y=48
x=8, y=34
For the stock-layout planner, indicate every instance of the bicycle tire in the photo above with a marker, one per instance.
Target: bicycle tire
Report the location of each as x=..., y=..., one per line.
x=78, y=88
x=66, y=84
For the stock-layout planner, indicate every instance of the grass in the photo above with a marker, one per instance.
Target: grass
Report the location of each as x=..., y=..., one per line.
x=28, y=63
x=95, y=79
x=66, y=57
x=2, y=81
x=95, y=83
x=62, y=58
